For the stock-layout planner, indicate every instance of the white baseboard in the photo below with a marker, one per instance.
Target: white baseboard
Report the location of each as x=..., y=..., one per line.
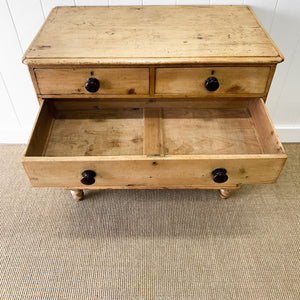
x=287, y=135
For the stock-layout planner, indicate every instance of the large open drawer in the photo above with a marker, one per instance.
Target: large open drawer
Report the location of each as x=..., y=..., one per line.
x=153, y=143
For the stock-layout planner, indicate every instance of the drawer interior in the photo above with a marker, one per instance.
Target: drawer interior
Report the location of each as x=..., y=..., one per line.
x=108, y=127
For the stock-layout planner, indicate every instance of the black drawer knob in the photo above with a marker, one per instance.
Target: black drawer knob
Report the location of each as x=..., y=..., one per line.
x=92, y=85
x=219, y=175
x=88, y=177
x=212, y=84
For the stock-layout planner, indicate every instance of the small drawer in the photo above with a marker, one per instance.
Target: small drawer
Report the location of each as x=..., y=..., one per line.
x=213, y=81
x=208, y=145
x=83, y=81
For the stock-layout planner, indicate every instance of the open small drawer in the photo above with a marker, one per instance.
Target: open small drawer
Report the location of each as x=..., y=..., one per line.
x=153, y=144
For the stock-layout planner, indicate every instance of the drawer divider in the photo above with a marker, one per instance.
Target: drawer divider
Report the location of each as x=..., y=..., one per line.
x=153, y=135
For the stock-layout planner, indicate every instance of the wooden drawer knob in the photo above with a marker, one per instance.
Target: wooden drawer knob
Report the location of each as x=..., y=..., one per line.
x=212, y=84
x=88, y=177
x=92, y=85
x=219, y=175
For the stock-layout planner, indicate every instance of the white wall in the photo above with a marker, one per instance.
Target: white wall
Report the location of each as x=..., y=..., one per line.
x=21, y=19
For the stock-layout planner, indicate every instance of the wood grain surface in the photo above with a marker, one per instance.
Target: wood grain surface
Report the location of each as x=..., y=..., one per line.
x=137, y=35
x=122, y=81
x=233, y=81
x=162, y=147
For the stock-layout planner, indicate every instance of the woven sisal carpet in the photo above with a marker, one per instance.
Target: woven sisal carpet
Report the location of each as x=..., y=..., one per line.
x=154, y=244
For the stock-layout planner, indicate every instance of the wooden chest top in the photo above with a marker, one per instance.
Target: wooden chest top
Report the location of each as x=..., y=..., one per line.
x=152, y=35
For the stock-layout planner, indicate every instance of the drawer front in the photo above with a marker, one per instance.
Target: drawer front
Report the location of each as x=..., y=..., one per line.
x=229, y=81
x=153, y=173
x=125, y=81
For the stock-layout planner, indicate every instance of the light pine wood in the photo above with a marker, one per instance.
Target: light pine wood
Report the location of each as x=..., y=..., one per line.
x=153, y=136
x=34, y=80
x=209, y=131
x=228, y=140
x=151, y=98
x=128, y=81
x=152, y=124
x=266, y=33
x=225, y=193
x=40, y=100
x=96, y=104
x=96, y=132
x=41, y=131
x=265, y=129
x=141, y=187
x=234, y=81
x=151, y=34
x=178, y=171
x=77, y=194
x=76, y=128
x=152, y=81
x=270, y=78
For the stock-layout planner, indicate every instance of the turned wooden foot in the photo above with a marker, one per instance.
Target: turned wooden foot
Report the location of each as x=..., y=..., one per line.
x=225, y=193
x=77, y=194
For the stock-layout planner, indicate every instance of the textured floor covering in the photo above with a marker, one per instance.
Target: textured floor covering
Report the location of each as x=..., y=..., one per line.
x=161, y=244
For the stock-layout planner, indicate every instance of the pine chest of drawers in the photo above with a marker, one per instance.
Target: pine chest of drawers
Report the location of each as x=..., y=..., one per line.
x=152, y=97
